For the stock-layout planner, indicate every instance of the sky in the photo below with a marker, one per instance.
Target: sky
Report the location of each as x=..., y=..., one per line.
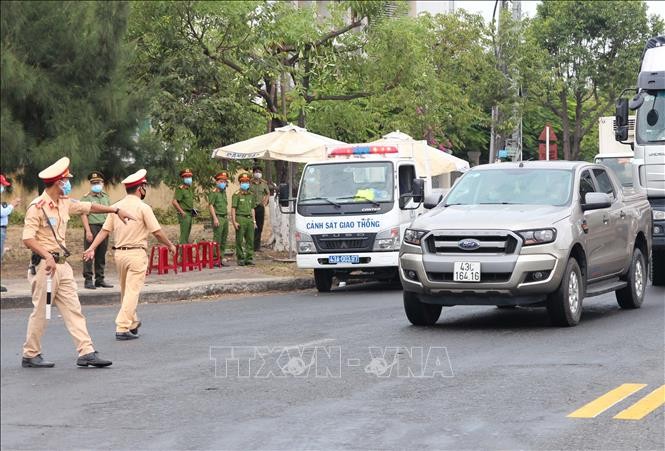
x=486, y=7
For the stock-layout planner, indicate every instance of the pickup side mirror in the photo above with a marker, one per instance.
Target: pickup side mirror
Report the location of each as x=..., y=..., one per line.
x=621, y=120
x=596, y=201
x=432, y=200
x=284, y=194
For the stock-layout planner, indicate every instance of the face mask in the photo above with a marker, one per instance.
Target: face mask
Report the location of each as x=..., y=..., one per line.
x=257, y=175
x=66, y=187
x=244, y=186
x=221, y=185
x=187, y=180
x=2, y=189
x=97, y=188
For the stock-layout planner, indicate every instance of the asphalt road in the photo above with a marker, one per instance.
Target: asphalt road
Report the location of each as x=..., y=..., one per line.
x=343, y=370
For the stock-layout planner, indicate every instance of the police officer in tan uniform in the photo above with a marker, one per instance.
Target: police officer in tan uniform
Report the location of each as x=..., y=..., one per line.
x=131, y=242
x=44, y=233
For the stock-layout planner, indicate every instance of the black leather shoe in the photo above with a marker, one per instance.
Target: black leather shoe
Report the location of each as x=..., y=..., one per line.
x=92, y=359
x=241, y=263
x=89, y=285
x=135, y=330
x=36, y=362
x=2, y=289
x=126, y=336
x=250, y=263
x=102, y=284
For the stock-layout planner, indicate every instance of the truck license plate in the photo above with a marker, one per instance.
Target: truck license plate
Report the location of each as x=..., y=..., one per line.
x=344, y=259
x=466, y=272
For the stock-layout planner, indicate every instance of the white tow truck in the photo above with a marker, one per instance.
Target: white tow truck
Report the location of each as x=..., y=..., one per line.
x=352, y=210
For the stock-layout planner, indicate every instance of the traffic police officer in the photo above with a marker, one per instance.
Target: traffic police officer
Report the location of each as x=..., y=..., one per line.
x=184, y=204
x=130, y=244
x=242, y=216
x=261, y=192
x=218, y=205
x=92, y=224
x=44, y=233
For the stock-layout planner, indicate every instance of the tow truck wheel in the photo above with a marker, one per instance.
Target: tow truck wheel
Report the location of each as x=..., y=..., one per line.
x=419, y=313
x=658, y=268
x=632, y=296
x=564, y=306
x=323, y=280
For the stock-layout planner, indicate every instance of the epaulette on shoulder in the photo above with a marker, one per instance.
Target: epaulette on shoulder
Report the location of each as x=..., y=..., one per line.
x=39, y=204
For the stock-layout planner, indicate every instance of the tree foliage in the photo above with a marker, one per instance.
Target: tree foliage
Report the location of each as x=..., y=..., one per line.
x=64, y=89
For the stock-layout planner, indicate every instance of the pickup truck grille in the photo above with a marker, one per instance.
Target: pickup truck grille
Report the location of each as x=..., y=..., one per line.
x=344, y=242
x=490, y=242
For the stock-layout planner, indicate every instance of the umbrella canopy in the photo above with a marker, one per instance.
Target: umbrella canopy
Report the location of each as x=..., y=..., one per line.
x=439, y=161
x=289, y=143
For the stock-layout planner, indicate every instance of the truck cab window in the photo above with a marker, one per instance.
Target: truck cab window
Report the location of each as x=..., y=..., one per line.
x=586, y=186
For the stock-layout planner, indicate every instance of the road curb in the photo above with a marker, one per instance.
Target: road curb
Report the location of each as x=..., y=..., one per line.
x=171, y=294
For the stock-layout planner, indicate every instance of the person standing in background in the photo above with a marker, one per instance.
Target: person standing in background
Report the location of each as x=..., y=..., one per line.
x=261, y=192
x=242, y=217
x=219, y=209
x=5, y=211
x=184, y=204
x=92, y=224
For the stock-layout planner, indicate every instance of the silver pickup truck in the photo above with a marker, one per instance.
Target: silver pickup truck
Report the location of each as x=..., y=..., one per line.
x=530, y=233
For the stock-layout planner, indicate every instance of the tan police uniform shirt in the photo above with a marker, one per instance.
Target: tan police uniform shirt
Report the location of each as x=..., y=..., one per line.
x=57, y=212
x=133, y=233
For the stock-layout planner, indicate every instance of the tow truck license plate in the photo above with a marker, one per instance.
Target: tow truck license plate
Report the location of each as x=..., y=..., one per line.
x=466, y=272
x=344, y=259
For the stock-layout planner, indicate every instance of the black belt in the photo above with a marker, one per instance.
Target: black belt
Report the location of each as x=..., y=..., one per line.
x=122, y=248
x=36, y=258
x=3, y=227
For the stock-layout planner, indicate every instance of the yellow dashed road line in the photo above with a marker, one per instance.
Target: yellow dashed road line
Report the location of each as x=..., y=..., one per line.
x=601, y=404
x=644, y=406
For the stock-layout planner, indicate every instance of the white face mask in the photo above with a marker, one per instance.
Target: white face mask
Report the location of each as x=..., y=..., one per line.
x=257, y=175
x=2, y=188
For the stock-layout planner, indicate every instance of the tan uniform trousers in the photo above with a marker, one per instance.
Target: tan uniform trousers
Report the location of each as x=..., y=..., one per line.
x=66, y=299
x=132, y=265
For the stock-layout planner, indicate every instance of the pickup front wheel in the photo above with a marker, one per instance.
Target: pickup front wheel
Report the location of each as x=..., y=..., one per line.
x=419, y=313
x=632, y=296
x=564, y=306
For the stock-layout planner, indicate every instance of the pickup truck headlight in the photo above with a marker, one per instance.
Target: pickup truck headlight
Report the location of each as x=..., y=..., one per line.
x=540, y=236
x=387, y=240
x=412, y=236
x=658, y=215
x=304, y=243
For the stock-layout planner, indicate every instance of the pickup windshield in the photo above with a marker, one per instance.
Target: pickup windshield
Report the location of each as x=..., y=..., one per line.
x=347, y=183
x=513, y=186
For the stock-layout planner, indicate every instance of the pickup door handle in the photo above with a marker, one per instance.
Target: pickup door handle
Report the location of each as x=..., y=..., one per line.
x=622, y=215
x=606, y=220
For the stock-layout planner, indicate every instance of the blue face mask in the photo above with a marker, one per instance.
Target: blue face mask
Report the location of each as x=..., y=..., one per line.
x=187, y=180
x=221, y=185
x=97, y=188
x=244, y=186
x=66, y=187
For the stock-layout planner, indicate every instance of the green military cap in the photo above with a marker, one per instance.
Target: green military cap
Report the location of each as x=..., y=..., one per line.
x=96, y=176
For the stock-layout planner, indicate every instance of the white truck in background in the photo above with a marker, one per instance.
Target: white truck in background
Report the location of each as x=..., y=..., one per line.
x=649, y=143
x=352, y=210
x=617, y=155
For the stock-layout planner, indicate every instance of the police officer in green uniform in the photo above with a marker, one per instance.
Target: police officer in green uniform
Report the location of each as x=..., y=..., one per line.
x=92, y=224
x=218, y=212
x=261, y=192
x=244, y=221
x=184, y=203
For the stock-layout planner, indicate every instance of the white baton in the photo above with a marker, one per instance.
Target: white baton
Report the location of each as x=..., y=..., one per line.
x=48, y=297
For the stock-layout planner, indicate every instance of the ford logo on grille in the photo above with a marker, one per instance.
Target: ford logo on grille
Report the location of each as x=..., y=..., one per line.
x=468, y=244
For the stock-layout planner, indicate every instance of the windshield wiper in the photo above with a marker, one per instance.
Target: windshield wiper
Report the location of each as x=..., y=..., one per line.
x=375, y=203
x=452, y=204
x=498, y=203
x=322, y=198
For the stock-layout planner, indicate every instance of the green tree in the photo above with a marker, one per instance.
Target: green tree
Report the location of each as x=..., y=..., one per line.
x=64, y=88
x=588, y=51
